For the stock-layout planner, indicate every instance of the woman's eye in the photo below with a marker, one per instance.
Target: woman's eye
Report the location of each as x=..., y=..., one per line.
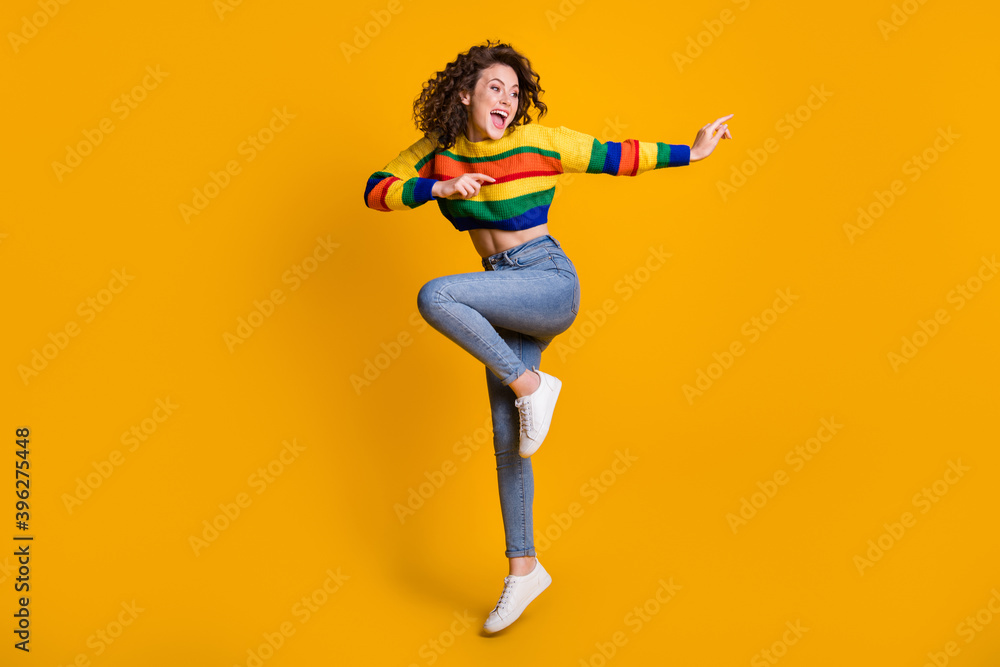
x=498, y=88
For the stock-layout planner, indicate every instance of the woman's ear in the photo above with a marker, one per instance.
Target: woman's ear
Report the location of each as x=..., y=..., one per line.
x=464, y=96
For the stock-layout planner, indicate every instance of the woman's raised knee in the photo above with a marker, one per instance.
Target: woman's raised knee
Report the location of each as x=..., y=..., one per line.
x=428, y=297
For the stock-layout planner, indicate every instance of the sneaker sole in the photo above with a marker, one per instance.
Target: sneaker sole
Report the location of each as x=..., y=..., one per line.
x=543, y=582
x=527, y=452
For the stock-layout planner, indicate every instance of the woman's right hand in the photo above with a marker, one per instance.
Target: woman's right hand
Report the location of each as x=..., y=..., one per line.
x=466, y=185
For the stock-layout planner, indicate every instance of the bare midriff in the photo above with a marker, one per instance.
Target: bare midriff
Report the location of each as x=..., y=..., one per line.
x=491, y=241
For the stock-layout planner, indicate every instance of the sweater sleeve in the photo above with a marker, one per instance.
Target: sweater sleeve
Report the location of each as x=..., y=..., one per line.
x=405, y=182
x=582, y=153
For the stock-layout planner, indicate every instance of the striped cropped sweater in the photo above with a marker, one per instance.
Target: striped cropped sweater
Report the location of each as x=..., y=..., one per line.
x=525, y=163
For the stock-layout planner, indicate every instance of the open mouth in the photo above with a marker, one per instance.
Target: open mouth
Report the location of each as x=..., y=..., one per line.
x=499, y=117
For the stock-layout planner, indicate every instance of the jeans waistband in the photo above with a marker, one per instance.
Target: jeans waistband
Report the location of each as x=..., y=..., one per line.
x=506, y=257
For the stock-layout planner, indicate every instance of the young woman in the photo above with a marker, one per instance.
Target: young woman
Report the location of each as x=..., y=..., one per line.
x=493, y=173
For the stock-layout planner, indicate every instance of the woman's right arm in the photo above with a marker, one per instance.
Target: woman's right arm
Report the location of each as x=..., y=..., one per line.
x=405, y=182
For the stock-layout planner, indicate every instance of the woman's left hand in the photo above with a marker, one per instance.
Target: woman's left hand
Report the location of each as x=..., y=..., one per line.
x=708, y=137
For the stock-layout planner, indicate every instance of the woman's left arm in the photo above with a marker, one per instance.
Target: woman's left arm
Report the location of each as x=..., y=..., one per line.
x=581, y=153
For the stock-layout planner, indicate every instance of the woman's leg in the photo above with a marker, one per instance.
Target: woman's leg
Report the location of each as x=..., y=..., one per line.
x=505, y=318
x=514, y=474
x=469, y=308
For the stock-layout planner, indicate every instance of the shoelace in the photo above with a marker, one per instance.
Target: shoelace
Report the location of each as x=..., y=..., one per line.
x=508, y=593
x=525, y=413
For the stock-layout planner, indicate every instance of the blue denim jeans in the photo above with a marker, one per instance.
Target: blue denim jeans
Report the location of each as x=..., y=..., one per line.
x=505, y=317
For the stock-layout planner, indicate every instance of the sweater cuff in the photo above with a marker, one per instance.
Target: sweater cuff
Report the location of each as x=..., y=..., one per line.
x=672, y=155
x=422, y=190
x=680, y=155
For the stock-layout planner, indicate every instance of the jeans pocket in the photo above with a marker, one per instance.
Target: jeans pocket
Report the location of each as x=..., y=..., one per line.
x=531, y=258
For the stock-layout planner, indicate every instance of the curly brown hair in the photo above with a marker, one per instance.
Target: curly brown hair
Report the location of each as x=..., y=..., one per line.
x=438, y=111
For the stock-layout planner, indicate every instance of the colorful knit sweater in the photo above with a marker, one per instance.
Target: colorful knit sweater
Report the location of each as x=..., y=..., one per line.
x=525, y=162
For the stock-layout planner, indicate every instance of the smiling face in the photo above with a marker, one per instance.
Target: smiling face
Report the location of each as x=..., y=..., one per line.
x=493, y=104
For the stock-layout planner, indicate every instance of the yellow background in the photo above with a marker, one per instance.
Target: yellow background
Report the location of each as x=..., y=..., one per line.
x=604, y=65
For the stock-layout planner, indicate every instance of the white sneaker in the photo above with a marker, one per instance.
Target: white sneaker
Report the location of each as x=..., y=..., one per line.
x=517, y=593
x=536, y=413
